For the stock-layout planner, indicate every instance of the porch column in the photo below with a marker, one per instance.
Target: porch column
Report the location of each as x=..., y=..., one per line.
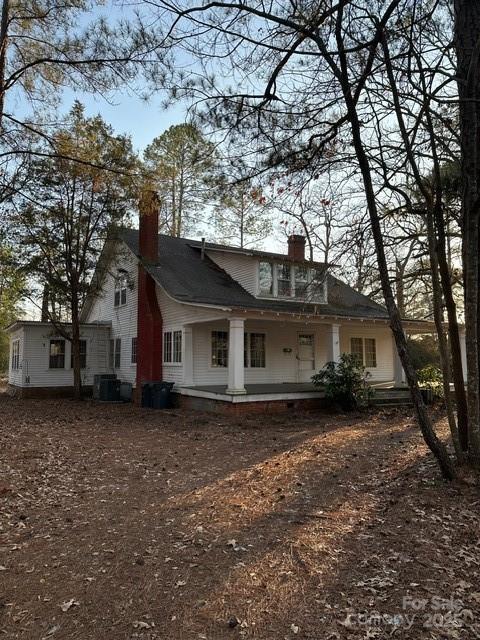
x=187, y=356
x=398, y=372
x=236, y=373
x=333, y=343
x=463, y=353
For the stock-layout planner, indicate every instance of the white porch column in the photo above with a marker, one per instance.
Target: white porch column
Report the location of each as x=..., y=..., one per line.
x=333, y=343
x=398, y=372
x=188, y=356
x=236, y=373
x=463, y=352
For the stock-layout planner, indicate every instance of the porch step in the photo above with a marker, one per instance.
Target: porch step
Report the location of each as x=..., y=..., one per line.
x=392, y=398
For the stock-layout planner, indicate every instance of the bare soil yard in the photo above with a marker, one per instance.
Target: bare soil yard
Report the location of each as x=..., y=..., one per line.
x=118, y=522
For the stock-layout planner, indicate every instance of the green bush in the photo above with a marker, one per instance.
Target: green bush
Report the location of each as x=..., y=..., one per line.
x=345, y=382
x=430, y=377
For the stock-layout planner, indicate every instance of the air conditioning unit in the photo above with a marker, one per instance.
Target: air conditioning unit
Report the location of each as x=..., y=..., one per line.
x=110, y=390
x=97, y=378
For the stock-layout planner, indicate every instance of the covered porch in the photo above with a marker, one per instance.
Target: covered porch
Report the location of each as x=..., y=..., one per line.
x=263, y=357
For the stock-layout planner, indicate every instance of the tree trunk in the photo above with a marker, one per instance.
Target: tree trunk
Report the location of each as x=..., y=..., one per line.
x=435, y=445
x=77, y=376
x=442, y=341
x=467, y=45
x=453, y=330
x=45, y=303
x=399, y=275
x=3, y=54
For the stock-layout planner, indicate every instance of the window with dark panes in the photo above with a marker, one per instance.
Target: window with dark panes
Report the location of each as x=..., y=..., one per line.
x=265, y=278
x=370, y=352
x=134, y=351
x=301, y=281
x=284, y=283
x=120, y=295
x=257, y=350
x=57, y=354
x=177, y=346
x=15, y=355
x=167, y=346
x=219, y=348
x=356, y=348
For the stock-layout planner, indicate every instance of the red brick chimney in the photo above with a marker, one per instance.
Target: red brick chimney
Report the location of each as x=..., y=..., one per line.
x=149, y=317
x=296, y=247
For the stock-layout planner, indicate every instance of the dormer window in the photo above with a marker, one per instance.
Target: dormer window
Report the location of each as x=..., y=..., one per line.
x=265, y=278
x=297, y=281
x=284, y=281
x=120, y=295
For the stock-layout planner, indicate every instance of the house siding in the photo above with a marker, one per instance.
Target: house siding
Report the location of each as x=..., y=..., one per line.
x=123, y=318
x=383, y=337
x=15, y=376
x=35, y=351
x=241, y=268
x=280, y=366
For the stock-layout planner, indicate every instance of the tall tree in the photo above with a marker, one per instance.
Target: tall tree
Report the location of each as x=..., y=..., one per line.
x=12, y=284
x=66, y=211
x=243, y=215
x=181, y=164
x=323, y=93
x=467, y=46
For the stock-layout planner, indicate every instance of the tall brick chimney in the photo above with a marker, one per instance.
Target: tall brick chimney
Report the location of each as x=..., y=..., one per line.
x=296, y=247
x=149, y=317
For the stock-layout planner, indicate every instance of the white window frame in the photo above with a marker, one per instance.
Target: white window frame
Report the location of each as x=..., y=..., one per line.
x=247, y=357
x=364, y=353
x=318, y=299
x=115, y=348
x=133, y=350
x=172, y=347
x=15, y=365
x=217, y=366
x=64, y=353
x=120, y=288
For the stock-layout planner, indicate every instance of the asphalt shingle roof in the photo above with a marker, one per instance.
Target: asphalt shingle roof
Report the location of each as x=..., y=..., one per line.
x=183, y=274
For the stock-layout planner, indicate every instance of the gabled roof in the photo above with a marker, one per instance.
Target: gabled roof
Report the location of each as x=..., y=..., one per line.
x=182, y=273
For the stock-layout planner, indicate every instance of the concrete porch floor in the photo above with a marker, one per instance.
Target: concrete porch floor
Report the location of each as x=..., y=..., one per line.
x=280, y=388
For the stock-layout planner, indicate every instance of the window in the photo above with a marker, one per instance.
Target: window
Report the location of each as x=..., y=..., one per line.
x=265, y=279
x=172, y=346
x=366, y=351
x=254, y=350
x=134, y=351
x=292, y=281
x=57, y=354
x=177, y=346
x=167, y=346
x=284, y=284
x=370, y=352
x=219, y=348
x=120, y=295
x=115, y=353
x=301, y=281
x=15, y=355
x=83, y=355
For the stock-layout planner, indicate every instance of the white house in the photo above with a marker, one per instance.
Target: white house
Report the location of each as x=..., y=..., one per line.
x=226, y=325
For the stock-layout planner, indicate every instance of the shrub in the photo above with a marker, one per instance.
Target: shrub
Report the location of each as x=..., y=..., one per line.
x=345, y=382
x=430, y=377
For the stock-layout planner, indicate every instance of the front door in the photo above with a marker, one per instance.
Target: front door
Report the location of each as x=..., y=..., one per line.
x=306, y=356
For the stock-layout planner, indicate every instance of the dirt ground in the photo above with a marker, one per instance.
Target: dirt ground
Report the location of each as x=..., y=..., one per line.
x=118, y=522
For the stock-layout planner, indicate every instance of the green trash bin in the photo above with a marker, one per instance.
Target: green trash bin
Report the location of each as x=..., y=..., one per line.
x=162, y=395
